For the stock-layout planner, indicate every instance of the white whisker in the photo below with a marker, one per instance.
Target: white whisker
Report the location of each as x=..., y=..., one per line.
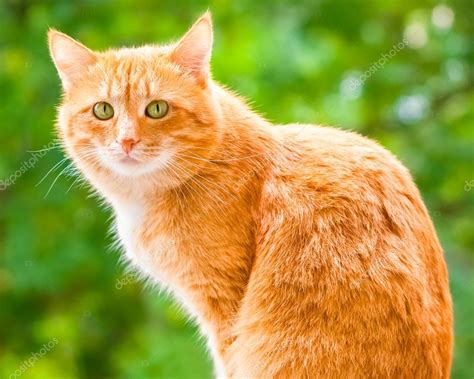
x=55, y=180
x=52, y=169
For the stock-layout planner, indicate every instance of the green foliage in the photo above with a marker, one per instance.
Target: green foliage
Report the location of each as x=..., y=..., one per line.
x=297, y=61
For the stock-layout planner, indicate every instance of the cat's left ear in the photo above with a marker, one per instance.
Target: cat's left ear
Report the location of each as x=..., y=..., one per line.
x=193, y=52
x=70, y=57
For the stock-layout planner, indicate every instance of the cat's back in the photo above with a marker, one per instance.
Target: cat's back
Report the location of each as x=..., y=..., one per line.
x=326, y=168
x=329, y=180
x=326, y=171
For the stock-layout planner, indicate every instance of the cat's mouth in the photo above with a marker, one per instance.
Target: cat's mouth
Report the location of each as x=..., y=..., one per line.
x=134, y=164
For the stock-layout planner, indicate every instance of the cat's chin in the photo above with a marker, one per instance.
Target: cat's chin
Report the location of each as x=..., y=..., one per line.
x=130, y=167
x=129, y=161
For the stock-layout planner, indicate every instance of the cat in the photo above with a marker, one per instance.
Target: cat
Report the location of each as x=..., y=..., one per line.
x=302, y=251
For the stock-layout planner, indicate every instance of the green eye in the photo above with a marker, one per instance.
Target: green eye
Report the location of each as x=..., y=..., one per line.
x=157, y=109
x=103, y=110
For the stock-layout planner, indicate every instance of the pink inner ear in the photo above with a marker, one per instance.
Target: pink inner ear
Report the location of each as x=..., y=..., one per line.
x=195, y=60
x=70, y=57
x=193, y=52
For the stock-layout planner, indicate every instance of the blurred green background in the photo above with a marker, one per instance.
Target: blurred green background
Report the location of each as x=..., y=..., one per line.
x=61, y=283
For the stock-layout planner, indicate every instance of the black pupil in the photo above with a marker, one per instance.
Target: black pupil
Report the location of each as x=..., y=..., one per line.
x=157, y=108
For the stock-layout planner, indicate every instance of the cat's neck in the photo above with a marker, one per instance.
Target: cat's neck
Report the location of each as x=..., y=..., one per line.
x=243, y=130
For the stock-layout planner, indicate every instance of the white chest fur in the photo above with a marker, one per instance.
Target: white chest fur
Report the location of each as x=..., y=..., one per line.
x=128, y=221
x=155, y=257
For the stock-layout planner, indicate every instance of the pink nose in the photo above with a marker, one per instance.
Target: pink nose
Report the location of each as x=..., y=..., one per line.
x=127, y=144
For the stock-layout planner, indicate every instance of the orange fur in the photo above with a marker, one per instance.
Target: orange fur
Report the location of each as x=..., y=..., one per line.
x=302, y=251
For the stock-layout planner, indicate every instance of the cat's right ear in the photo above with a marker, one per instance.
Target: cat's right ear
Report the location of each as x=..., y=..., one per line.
x=70, y=57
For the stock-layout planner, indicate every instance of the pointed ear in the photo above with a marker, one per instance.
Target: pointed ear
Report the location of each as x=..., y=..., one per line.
x=193, y=51
x=70, y=57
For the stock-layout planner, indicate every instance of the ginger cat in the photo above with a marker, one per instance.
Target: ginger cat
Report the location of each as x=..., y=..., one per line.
x=302, y=251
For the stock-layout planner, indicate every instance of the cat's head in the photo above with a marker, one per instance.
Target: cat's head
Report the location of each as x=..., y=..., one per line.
x=138, y=113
